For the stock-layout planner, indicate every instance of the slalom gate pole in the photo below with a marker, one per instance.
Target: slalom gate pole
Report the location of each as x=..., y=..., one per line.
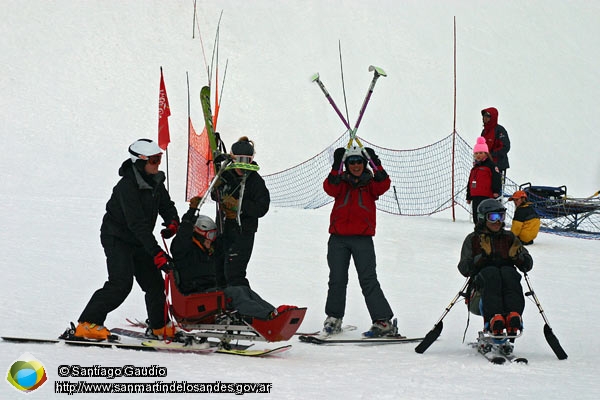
x=433, y=334
x=548, y=333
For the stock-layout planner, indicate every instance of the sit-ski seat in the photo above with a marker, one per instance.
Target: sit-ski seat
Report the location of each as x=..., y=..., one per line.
x=203, y=308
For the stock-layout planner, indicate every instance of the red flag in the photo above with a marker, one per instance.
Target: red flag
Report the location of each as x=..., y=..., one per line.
x=163, y=114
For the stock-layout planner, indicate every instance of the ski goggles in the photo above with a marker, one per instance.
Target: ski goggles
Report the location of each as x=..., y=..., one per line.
x=243, y=159
x=208, y=235
x=155, y=159
x=352, y=160
x=495, y=217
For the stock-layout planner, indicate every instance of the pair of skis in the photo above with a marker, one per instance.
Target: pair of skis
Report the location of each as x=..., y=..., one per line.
x=496, y=351
x=377, y=72
x=324, y=339
x=138, y=341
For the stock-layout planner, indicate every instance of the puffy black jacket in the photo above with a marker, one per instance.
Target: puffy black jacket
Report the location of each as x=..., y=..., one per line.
x=255, y=201
x=195, y=266
x=133, y=208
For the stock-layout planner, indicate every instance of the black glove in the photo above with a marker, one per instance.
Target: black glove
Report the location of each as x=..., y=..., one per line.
x=170, y=230
x=373, y=156
x=334, y=179
x=479, y=261
x=163, y=261
x=338, y=156
x=380, y=175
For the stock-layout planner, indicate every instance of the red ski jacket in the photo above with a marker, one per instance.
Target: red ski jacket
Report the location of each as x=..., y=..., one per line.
x=484, y=180
x=354, y=208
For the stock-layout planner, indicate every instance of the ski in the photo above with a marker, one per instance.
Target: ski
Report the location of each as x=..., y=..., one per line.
x=105, y=344
x=345, y=328
x=495, y=350
x=182, y=337
x=178, y=347
x=208, y=118
x=371, y=341
x=255, y=352
x=497, y=358
x=244, y=166
x=217, y=347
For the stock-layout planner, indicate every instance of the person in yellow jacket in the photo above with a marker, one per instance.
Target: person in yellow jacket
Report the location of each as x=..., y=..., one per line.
x=526, y=222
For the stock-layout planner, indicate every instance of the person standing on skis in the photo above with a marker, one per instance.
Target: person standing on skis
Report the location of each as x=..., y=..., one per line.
x=352, y=227
x=129, y=244
x=489, y=256
x=243, y=198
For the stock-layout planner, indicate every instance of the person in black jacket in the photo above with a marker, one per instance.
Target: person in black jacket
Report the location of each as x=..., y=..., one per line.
x=489, y=256
x=129, y=244
x=195, y=250
x=243, y=198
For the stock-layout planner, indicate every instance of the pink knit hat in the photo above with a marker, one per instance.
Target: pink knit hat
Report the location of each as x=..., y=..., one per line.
x=481, y=146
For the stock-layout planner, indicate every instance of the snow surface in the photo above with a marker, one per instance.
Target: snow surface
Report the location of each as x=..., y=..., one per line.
x=80, y=83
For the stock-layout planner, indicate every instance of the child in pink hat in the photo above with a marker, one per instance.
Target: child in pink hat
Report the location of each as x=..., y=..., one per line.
x=484, y=180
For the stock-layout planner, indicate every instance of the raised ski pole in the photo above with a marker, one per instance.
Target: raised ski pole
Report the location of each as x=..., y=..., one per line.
x=316, y=78
x=227, y=162
x=550, y=336
x=433, y=334
x=377, y=72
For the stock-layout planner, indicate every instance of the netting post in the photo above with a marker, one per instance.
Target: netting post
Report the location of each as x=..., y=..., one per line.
x=454, y=128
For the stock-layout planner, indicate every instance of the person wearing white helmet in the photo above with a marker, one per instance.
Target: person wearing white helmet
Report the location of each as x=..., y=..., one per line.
x=196, y=251
x=351, y=228
x=129, y=244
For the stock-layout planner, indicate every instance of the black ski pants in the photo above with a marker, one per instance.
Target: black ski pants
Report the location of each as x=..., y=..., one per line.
x=501, y=291
x=125, y=262
x=236, y=251
x=362, y=251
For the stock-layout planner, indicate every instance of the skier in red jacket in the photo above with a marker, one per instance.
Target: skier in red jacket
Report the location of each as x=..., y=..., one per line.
x=352, y=227
x=496, y=139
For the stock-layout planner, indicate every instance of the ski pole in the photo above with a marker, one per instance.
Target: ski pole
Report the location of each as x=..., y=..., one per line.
x=548, y=333
x=377, y=72
x=316, y=78
x=212, y=184
x=433, y=334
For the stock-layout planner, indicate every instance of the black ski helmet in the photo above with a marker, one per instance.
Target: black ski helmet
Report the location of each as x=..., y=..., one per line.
x=488, y=206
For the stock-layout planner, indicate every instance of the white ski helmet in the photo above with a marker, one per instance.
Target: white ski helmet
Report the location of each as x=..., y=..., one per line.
x=142, y=149
x=355, y=151
x=206, y=227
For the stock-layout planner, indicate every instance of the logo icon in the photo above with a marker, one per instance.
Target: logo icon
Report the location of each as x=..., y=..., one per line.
x=26, y=374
